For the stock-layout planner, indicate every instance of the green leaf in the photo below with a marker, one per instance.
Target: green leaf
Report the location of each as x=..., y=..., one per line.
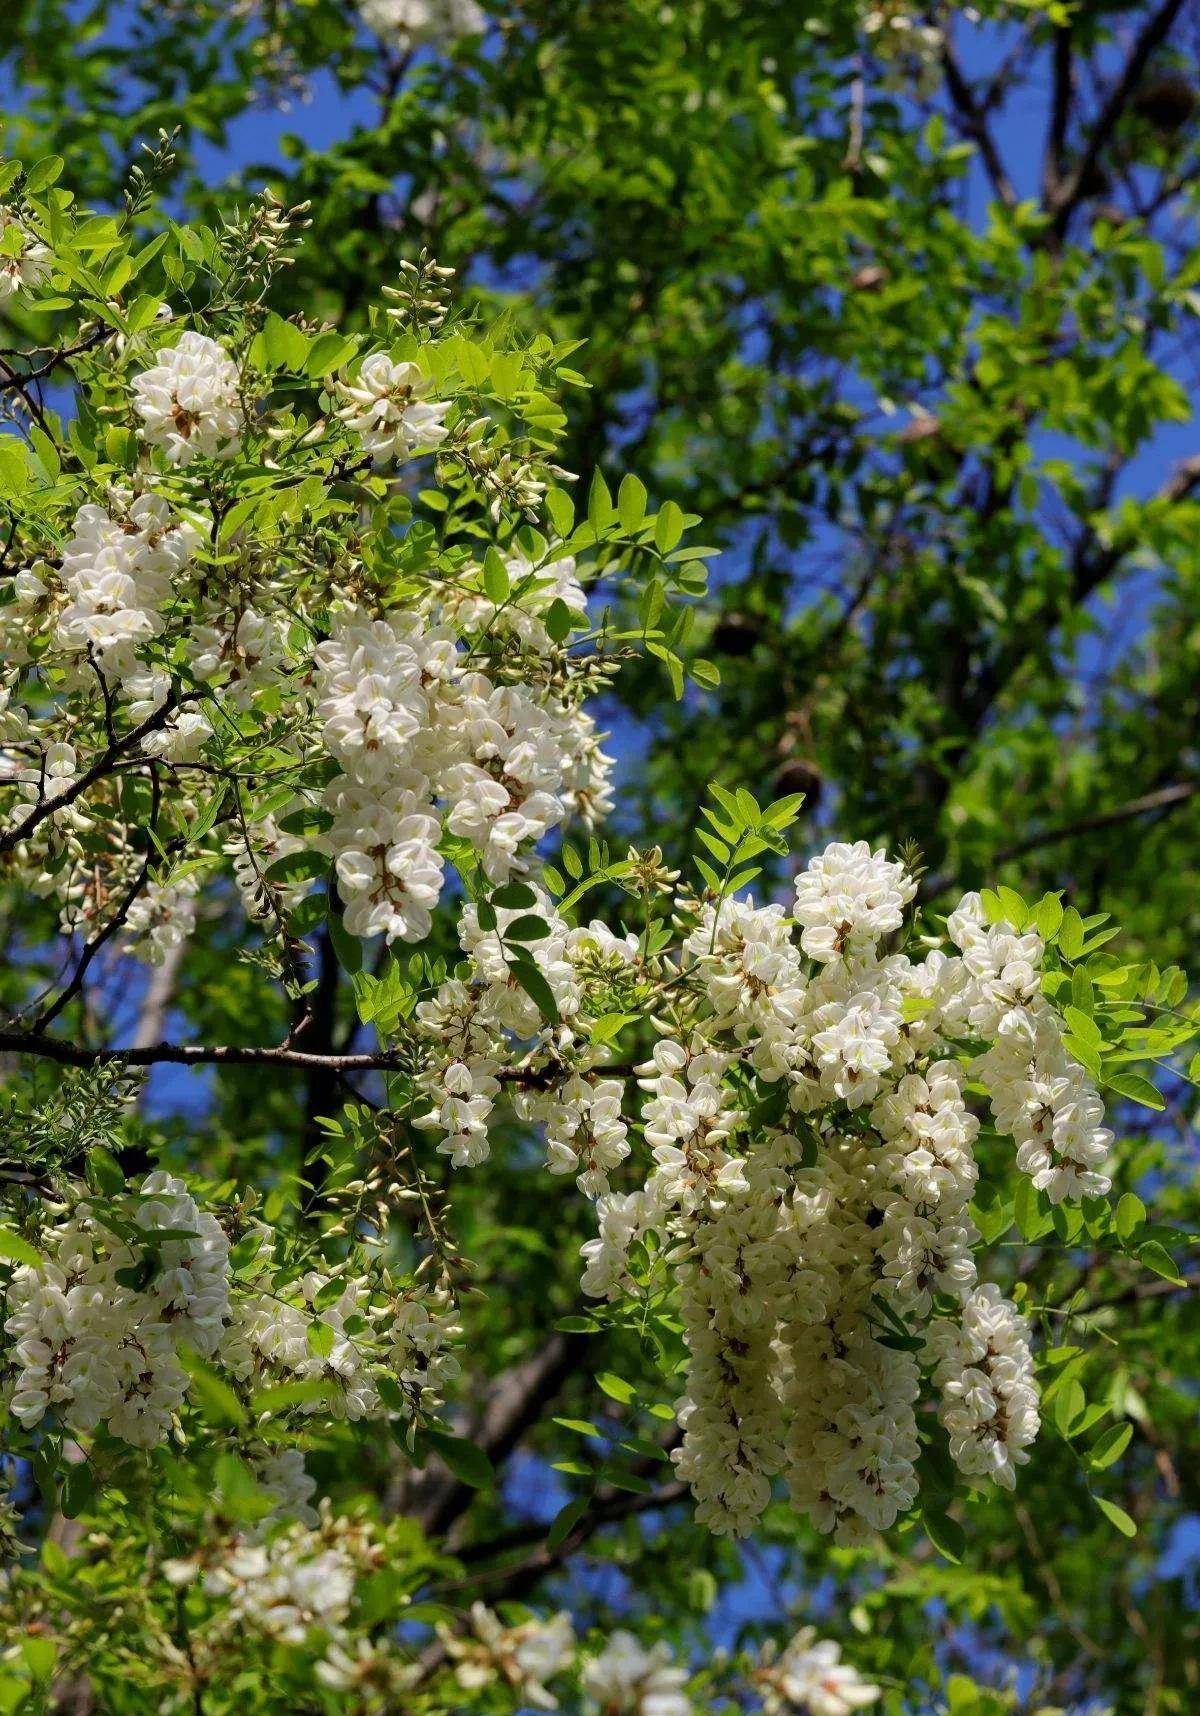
x=469, y=1463
x=562, y=511
x=15, y=474
x=283, y=1395
x=527, y=929
x=564, y=1521
x=215, y=1400
x=496, y=582
x=1070, y=936
x=600, y=506
x=328, y=352
x=1069, y=1406
x=104, y=1171
x=631, y=502
x=616, y=1387
x=559, y=620
x=280, y=345
x=1136, y=1089
x=18, y=1250
x=536, y=987
x=321, y=1337
x=44, y=173
x=1157, y=1258
x=946, y=1535
x=1116, y=1515
x=514, y=895
x=668, y=527
x=1109, y=1447
x=1048, y=916
x=1130, y=1215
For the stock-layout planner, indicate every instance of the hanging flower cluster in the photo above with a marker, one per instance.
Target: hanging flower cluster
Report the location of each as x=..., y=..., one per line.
x=104, y=1330
x=808, y=1149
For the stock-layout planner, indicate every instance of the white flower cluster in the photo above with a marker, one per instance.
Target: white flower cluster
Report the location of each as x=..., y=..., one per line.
x=411, y=23
x=342, y=1343
x=297, y=1580
x=189, y=401
x=525, y=1656
x=24, y=260
x=808, y=1675
x=627, y=1679
x=473, y=1027
x=1041, y=1097
x=281, y=1475
x=387, y=408
x=809, y=1266
x=96, y=1327
x=119, y=570
x=906, y=42
x=94, y=1331
x=423, y=743
x=983, y=1370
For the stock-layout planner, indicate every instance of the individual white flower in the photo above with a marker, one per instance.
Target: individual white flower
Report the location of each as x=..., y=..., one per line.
x=24, y=260
x=626, y=1679
x=189, y=401
x=810, y=1676
x=387, y=408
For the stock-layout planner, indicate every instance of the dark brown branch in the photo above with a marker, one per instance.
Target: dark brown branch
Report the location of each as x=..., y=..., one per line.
x=1070, y=191
x=1165, y=798
x=1055, y=164
x=610, y=1507
x=975, y=126
x=238, y=1054
x=515, y=1402
x=105, y=762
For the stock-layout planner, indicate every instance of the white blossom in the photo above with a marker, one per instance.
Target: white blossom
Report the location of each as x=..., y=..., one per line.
x=189, y=401
x=387, y=409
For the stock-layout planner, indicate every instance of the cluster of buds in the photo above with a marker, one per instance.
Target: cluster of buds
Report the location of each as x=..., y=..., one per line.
x=257, y=245
x=422, y=299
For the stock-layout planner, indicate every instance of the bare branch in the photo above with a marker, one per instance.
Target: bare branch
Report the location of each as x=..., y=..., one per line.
x=975, y=126
x=1070, y=191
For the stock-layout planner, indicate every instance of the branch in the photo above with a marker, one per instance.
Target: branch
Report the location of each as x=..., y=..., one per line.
x=107, y=760
x=1165, y=798
x=1153, y=34
x=976, y=127
x=238, y=1054
x=609, y=1507
x=1054, y=164
x=515, y=1401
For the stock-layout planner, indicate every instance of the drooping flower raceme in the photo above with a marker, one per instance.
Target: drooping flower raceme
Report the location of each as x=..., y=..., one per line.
x=387, y=409
x=809, y=1676
x=816, y=1247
